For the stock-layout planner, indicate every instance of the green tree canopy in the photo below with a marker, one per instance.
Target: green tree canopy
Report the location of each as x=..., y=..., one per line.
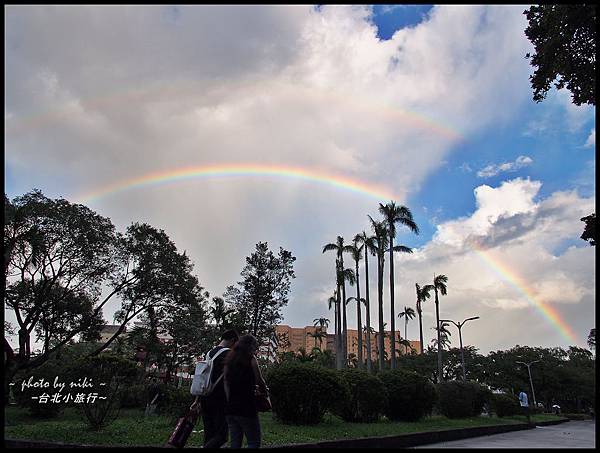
x=564, y=38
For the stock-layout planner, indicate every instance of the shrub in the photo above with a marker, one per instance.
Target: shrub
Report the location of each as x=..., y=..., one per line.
x=109, y=374
x=174, y=401
x=410, y=396
x=367, y=397
x=505, y=405
x=301, y=393
x=134, y=396
x=458, y=399
x=24, y=397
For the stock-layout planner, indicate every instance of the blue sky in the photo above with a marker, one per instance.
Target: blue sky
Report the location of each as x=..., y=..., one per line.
x=365, y=92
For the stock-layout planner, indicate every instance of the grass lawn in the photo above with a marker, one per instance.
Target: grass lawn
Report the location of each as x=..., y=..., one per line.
x=132, y=428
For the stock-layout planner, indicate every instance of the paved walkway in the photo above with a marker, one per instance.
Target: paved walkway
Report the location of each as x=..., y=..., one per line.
x=573, y=434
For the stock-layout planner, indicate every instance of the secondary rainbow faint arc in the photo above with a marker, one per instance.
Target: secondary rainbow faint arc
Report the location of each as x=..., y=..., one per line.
x=550, y=313
x=222, y=170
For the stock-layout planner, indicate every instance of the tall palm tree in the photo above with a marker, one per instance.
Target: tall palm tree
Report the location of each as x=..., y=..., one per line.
x=395, y=214
x=334, y=301
x=368, y=331
x=356, y=253
x=422, y=295
x=444, y=336
x=407, y=314
x=321, y=332
x=439, y=285
x=338, y=247
x=345, y=275
x=381, y=240
x=370, y=247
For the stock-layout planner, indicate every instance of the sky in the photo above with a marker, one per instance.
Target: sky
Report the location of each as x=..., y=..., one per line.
x=428, y=105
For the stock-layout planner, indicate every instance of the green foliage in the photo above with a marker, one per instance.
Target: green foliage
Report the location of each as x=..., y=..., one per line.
x=134, y=396
x=174, y=401
x=48, y=372
x=259, y=297
x=301, y=393
x=505, y=405
x=564, y=37
x=109, y=375
x=458, y=399
x=589, y=232
x=367, y=397
x=410, y=396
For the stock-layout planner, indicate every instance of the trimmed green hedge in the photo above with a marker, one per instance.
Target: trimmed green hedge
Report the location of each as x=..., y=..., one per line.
x=368, y=397
x=505, y=405
x=301, y=393
x=410, y=396
x=458, y=399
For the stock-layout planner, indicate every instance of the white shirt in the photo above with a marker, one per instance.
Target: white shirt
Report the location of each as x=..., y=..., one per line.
x=523, y=399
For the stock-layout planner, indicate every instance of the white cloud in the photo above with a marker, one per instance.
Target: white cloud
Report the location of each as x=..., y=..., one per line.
x=97, y=95
x=494, y=169
x=500, y=265
x=591, y=140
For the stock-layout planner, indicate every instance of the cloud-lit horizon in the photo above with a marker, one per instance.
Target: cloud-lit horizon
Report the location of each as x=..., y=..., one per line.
x=440, y=114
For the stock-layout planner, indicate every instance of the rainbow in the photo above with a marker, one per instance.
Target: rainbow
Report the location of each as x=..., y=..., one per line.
x=187, y=88
x=222, y=170
x=509, y=276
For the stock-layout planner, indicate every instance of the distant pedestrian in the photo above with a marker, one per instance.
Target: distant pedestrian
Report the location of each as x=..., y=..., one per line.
x=524, y=401
x=154, y=395
x=242, y=380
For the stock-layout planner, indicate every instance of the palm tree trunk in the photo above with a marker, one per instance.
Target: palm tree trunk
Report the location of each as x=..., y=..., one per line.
x=393, y=318
x=380, y=270
x=359, y=320
x=419, y=311
x=344, y=321
x=338, y=335
x=368, y=312
x=406, y=334
x=439, y=345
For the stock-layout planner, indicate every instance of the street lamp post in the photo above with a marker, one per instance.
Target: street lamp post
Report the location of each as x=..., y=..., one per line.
x=462, y=355
x=528, y=365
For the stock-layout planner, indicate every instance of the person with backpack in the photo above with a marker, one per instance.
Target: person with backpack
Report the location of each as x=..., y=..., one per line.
x=242, y=381
x=210, y=398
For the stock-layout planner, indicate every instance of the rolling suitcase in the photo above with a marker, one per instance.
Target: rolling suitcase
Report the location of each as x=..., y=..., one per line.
x=183, y=429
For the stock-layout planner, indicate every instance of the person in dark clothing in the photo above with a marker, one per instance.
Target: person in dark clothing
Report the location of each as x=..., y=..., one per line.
x=213, y=405
x=242, y=380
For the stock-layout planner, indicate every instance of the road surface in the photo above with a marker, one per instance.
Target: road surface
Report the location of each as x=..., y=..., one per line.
x=573, y=434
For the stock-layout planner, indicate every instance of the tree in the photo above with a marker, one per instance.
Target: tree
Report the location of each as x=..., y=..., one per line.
x=564, y=38
x=333, y=301
x=395, y=215
x=422, y=295
x=381, y=241
x=356, y=252
x=439, y=285
x=589, y=233
x=56, y=255
x=591, y=341
x=407, y=314
x=321, y=332
x=338, y=247
x=147, y=272
x=369, y=246
x=443, y=337
x=263, y=291
x=220, y=313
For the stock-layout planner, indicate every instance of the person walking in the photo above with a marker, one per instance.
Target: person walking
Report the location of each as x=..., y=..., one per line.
x=524, y=402
x=213, y=405
x=242, y=381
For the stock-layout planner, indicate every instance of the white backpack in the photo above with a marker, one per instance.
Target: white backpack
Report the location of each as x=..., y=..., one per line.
x=201, y=384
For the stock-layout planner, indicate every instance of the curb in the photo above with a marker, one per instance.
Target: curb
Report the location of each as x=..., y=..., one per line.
x=398, y=441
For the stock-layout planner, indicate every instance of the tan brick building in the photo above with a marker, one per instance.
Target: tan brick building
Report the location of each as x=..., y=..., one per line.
x=303, y=337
